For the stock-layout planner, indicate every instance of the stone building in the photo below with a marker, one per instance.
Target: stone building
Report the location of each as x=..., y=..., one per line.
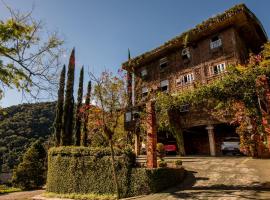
x=199, y=55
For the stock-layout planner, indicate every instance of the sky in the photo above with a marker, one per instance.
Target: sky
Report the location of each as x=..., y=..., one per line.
x=103, y=30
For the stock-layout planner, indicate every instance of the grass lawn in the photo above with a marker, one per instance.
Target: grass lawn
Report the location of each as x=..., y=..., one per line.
x=80, y=196
x=5, y=189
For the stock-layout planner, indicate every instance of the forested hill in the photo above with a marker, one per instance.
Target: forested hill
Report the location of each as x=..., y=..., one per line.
x=21, y=125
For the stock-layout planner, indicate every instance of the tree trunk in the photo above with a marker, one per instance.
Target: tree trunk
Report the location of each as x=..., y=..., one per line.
x=114, y=171
x=177, y=131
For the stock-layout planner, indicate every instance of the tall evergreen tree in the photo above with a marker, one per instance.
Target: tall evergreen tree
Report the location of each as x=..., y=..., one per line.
x=66, y=135
x=59, y=108
x=87, y=105
x=31, y=172
x=78, y=114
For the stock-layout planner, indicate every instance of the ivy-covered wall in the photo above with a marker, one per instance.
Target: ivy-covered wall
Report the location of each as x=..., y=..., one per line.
x=86, y=170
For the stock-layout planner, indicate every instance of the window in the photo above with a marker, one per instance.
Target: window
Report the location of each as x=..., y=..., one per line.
x=144, y=72
x=215, y=42
x=164, y=85
x=185, y=79
x=144, y=91
x=163, y=63
x=185, y=53
x=128, y=116
x=218, y=69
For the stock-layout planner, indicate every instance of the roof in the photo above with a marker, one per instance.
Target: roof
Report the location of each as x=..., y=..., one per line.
x=228, y=18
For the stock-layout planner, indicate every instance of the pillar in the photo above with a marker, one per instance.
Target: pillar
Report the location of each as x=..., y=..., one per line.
x=137, y=144
x=151, y=135
x=211, y=136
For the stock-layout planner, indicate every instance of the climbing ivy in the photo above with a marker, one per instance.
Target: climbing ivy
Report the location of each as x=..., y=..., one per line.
x=235, y=94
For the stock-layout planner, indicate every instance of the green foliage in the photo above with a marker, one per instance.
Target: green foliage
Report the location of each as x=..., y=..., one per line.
x=20, y=126
x=86, y=115
x=28, y=58
x=239, y=84
x=83, y=170
x=66, y=135
x=30, y=173
x=178, y=162
x=78, y=121
x=59, y=108
x=162, y=164
x=5, y=189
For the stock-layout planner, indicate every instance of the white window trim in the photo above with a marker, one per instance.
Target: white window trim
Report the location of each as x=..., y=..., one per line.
x=186, y=52
x=221, y=68
x=144, y=72
x=144, y=90
x=128, y=116
x=165, y=83
x=163, y=61
x=216, y=44
x=189, y=77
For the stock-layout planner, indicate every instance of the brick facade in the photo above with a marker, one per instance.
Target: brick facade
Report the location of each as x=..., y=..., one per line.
x=182, y=64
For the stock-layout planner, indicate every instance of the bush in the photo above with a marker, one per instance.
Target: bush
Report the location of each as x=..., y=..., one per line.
x=84, y=170
x=30, y=173
x=162, y=163
x=178, y=162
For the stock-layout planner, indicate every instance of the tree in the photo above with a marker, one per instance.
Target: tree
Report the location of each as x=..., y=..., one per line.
x=30, y=59
x=86, y=114
x=59, y=108
x=66, y=135
x=111, y=100
x=78, y=122
x=30, y=173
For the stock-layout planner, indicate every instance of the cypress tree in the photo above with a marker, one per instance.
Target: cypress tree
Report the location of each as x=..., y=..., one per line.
x=66, y=136
x=78, y=114
x=59, y=108
x=87, y=105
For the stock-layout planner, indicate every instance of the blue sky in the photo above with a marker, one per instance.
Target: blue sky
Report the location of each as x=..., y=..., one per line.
x=103, y=30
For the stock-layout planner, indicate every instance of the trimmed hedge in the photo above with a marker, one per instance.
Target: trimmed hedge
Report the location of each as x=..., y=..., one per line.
x=85, y=170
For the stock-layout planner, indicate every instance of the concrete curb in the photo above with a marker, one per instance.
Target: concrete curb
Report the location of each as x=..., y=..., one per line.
x=40, y=197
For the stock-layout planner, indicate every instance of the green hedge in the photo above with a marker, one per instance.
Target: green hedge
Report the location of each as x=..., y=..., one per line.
x=85, y=170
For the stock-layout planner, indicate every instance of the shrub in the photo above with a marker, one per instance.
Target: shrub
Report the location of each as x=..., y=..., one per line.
x=84, y=170
x=30, y=173
x=162, y=163
x=178, y=162
x=160, y=148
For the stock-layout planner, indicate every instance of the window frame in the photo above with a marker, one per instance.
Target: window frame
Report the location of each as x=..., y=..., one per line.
x=189, y=77
x=220, y=69
x=163, y=84
x=216, y=43
x=163, y=63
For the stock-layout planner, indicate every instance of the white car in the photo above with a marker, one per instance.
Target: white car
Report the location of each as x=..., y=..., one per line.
x=230, y=145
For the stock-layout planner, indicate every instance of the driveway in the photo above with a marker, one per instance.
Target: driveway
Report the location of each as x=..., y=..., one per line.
x=26, y=195
x=221, y=178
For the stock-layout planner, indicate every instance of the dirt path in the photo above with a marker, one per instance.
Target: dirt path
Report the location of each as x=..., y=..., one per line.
x=221, y=178
x=27, y=195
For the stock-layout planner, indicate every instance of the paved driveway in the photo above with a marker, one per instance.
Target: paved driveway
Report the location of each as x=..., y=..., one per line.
x=222, y=178
x=26, y=195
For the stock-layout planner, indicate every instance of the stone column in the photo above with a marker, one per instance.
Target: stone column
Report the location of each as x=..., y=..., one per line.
x=211, y=136
x=151, y=135
x=137, y=144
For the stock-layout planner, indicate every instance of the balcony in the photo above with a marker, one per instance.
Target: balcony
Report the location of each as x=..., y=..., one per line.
x=215, y=44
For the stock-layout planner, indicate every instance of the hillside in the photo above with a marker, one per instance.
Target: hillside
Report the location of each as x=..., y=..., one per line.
x=20, y=125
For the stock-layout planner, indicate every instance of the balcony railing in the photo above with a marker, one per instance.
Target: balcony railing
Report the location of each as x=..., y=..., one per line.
x=216, y=44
